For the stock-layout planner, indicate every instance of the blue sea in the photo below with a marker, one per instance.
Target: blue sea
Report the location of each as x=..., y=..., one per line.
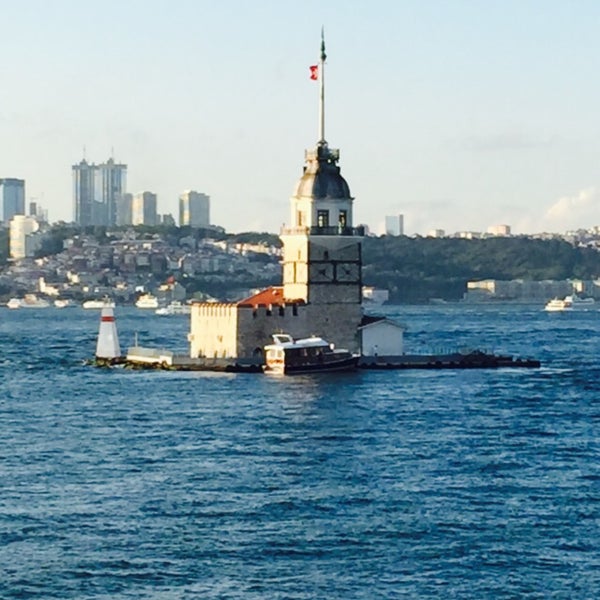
x=379, y=484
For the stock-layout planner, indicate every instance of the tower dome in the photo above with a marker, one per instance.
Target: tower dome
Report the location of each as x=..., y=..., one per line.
x=322, y=178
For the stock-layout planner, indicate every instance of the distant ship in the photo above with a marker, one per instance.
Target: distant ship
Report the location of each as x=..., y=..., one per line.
x=28, y=301
x=569, y=303
x=147, y=301
x=98, y=304
x=62, y=303
x=174, y=308
x=375, y=296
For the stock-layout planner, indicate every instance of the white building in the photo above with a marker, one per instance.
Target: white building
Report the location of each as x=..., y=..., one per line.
x=381, y=337
x=24, y=239
x=194, y=209
x=394, y=225
x=436, y=233
x=499, y=230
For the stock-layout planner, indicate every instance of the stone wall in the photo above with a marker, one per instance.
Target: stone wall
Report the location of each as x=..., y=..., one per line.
x=213, y=330
x=335, y=323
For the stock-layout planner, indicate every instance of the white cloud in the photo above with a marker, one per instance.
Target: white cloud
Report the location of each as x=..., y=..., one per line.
x=581, y=210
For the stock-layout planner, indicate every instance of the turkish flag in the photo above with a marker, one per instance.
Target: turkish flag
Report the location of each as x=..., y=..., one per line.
x=314, y=72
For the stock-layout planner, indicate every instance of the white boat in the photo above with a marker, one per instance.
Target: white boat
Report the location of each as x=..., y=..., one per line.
x=568, y=303
x=374, y=296
x=174, y=308
x=147, y=301
x=98, y=304
x=62, y=303
x=14, y=303
x=578, y=302
x=559, y=305
x=287, y=356
x=28, y=301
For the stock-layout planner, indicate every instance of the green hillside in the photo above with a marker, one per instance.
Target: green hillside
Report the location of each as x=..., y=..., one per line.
x=416, y=269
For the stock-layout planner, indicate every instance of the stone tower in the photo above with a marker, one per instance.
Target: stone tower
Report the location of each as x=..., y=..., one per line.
x=321, y=248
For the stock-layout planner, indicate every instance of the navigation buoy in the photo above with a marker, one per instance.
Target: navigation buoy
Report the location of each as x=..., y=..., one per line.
x=107, y=347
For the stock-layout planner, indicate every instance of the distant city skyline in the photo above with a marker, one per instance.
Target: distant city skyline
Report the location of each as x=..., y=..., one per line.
x=457, y=115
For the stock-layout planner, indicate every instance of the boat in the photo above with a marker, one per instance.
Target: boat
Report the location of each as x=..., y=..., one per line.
x=287, y=356
x=558, y=305
x=374, y=296
x=14, y=303
x=174, y=308
x=577, y=302
x=28, y=301
x=62, y=303
x=147, y=301
x=98, y=304
x=569, y=303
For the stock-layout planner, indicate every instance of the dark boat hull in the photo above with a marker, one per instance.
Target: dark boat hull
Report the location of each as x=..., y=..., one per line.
x=349, y=363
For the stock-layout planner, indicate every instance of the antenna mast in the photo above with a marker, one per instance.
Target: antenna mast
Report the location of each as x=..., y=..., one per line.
x=322, y=90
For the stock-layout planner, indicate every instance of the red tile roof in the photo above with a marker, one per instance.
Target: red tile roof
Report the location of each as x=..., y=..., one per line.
x=269, y=296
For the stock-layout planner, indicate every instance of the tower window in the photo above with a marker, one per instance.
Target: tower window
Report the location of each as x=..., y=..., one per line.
x=343, y=218
x=322, y=218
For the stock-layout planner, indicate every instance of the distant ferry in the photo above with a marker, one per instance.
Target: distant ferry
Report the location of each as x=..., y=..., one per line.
x=373, y=295
x=174, y=308
x=147, y=301
x=568, y=303
x=62, y=303
x=98, y=304
x=28, y=301
x=310, y=355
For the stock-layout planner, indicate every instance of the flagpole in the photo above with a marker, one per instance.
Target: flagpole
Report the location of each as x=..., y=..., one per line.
x=322, y=90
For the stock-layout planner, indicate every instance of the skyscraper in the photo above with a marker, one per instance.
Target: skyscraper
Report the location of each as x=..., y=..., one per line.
x=83, y=193
x=111, y=183
x=394, y=225
x=124, y=204
x=12, y=198
x=143, y=209
x=96, y=191
x=194, y=209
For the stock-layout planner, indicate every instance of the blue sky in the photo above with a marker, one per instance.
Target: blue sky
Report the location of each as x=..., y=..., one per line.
x=457, y=114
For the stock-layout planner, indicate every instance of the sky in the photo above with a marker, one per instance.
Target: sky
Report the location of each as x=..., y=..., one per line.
x=458, y=114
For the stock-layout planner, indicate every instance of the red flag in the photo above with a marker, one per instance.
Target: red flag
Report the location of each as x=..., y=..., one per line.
x=314, y=72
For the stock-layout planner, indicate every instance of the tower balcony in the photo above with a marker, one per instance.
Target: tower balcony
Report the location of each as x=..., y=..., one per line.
x=335, y=230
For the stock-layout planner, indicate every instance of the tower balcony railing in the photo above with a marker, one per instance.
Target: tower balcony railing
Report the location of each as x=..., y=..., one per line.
x=330, y=230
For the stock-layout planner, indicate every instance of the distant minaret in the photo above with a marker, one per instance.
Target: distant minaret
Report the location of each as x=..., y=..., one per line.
x=107, y=346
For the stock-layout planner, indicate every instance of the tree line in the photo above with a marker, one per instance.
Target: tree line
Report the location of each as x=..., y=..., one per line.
x=416, y=269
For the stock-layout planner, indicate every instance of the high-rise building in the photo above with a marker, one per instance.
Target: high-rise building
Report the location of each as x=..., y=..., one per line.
x=394, y=225
x=12, y=198
x=97, y=190
x=110, y=184
x=124, y=204
x=143, y=209
x=38, y=212
x=24, y=240
x=194, y=209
